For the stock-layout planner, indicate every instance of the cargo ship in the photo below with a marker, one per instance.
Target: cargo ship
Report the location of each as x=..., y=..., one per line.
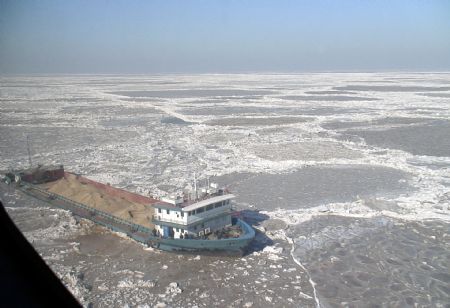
x=198, y=220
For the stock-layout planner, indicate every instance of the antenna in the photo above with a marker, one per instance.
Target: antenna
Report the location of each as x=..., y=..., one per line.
x=29, y=152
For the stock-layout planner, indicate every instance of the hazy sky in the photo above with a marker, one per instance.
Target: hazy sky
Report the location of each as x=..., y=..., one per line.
x=223, y=36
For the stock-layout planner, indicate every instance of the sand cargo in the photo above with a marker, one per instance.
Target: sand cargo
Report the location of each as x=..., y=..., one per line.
x=200, y=220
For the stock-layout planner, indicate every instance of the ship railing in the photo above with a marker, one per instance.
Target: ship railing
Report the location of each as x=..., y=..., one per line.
x=157, y=217
x=193, y=218
x=92, y=210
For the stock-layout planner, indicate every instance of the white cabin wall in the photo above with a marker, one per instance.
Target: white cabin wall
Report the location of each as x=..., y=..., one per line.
x=215, y=211
x=173, y=216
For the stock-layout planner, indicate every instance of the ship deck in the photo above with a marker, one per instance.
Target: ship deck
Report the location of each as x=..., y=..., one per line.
x=117, y=202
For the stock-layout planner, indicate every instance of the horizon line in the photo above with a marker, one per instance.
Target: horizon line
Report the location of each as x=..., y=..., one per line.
x=444, y=71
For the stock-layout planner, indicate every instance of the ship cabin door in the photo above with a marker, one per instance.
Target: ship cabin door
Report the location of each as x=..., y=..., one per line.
x=168, y=231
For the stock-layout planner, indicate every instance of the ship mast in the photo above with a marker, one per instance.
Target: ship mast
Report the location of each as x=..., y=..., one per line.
x=29, y=152
x=195, y=186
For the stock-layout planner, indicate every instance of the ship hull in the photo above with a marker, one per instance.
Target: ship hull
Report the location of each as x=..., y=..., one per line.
x=228, y=246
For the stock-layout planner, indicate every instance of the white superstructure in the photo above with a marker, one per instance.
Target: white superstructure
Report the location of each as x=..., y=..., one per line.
x=179, y=217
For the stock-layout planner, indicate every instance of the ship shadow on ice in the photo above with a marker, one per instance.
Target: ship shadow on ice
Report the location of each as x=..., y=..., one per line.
x=255, y=218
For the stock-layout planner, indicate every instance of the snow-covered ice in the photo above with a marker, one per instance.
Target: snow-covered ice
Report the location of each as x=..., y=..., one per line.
x=346, y=177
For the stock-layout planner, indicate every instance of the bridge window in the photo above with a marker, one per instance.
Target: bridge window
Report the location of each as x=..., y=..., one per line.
x=159, y=211
x=200, y=210
x=168, y=212
x=209, y=207
x=182, y=214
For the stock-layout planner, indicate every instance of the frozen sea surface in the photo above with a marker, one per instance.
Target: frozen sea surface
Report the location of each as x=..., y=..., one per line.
x=312, y=186
x=218, y=110
x=358, y=261
x=392, y=88
x=256, y=121
x=191, y=93
x=307, y=150
x=427, y=139
x=419, y=136
x=345, y=176
x=328, y=98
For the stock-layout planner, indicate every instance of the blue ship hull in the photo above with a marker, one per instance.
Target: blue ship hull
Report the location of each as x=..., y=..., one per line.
x=229, y=246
